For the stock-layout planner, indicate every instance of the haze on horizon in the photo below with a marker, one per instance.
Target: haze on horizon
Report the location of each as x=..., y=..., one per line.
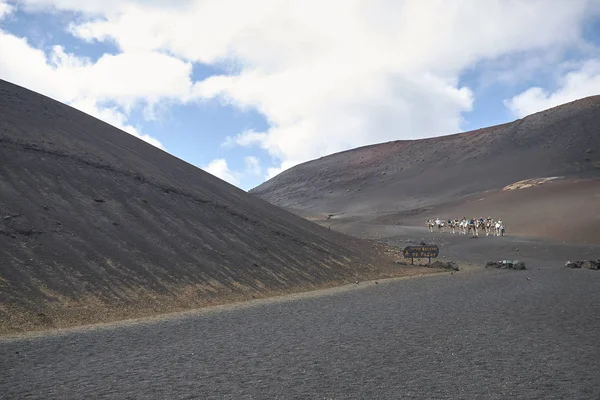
x=245, y=92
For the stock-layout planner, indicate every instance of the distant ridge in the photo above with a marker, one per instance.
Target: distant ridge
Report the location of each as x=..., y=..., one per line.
x=403, y=175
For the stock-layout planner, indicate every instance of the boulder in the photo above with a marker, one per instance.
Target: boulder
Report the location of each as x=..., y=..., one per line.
x=506, y=264
x=444, y=265
x=589, y=264
x=573, y=264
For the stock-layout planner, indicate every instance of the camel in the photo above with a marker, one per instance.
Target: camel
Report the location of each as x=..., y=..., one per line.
x=440, y=224
x=466, y=226
x=474, y=226
x=463, y=226
x=489, y=226
x=437, y=222
x=430, y=224
x=453, y=224
x=499, y=228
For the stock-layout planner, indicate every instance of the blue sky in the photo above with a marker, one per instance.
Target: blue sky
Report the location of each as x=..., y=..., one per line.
x=246, y=96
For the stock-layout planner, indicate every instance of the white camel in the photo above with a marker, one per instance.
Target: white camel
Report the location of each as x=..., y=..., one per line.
x=463, y=226
x=440, y=224
x=499, y=228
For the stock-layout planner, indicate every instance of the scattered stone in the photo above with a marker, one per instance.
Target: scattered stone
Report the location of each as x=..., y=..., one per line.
x=99, y=200
x=506, y=264
x=7, y=217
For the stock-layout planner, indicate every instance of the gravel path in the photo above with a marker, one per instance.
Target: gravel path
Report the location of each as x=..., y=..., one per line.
x=490, y=334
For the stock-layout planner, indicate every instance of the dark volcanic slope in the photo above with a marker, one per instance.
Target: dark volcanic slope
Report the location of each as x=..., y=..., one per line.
x=401, y=175
x=97, y=224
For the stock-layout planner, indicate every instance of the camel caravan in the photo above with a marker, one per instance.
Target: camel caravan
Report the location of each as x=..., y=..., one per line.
x=465, y=226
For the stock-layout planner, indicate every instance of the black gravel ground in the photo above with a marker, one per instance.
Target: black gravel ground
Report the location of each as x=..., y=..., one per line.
x=478, y=333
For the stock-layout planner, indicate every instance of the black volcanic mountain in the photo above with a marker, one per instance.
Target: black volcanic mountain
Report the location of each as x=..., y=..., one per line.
x=96, y=224
x=414, y=175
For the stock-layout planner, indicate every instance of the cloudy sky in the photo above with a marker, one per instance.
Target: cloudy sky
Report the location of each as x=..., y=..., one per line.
x=246, y=89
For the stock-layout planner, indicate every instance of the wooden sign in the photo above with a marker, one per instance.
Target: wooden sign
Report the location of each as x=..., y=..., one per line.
x=413, y=252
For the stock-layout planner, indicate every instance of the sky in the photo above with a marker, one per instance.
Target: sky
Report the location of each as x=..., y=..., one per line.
x=247, y=89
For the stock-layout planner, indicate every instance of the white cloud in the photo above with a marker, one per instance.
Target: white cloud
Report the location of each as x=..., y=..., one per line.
x=346, y=73
x=114, y=117
x=246, y=138
x=252, y=165
x=5, y=9
x=327, y=76
x=220, y=169
x=576, y=84
x=125, y=79
x=97, y=7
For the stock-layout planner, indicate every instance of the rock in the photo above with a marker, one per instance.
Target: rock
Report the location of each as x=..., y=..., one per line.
x=506, y=264
x=444, y=265
x=519, y=265
x=575, y=264
x=595, y=265
x=589, y=264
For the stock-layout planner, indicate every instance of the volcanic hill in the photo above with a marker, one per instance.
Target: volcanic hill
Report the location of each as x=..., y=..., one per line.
x=556, y=153
x=97, y=225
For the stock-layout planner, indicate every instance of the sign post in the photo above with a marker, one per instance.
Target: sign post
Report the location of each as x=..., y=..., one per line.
x=426, y=251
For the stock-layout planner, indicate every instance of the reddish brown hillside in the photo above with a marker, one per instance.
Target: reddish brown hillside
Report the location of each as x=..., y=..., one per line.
x=405, y=175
